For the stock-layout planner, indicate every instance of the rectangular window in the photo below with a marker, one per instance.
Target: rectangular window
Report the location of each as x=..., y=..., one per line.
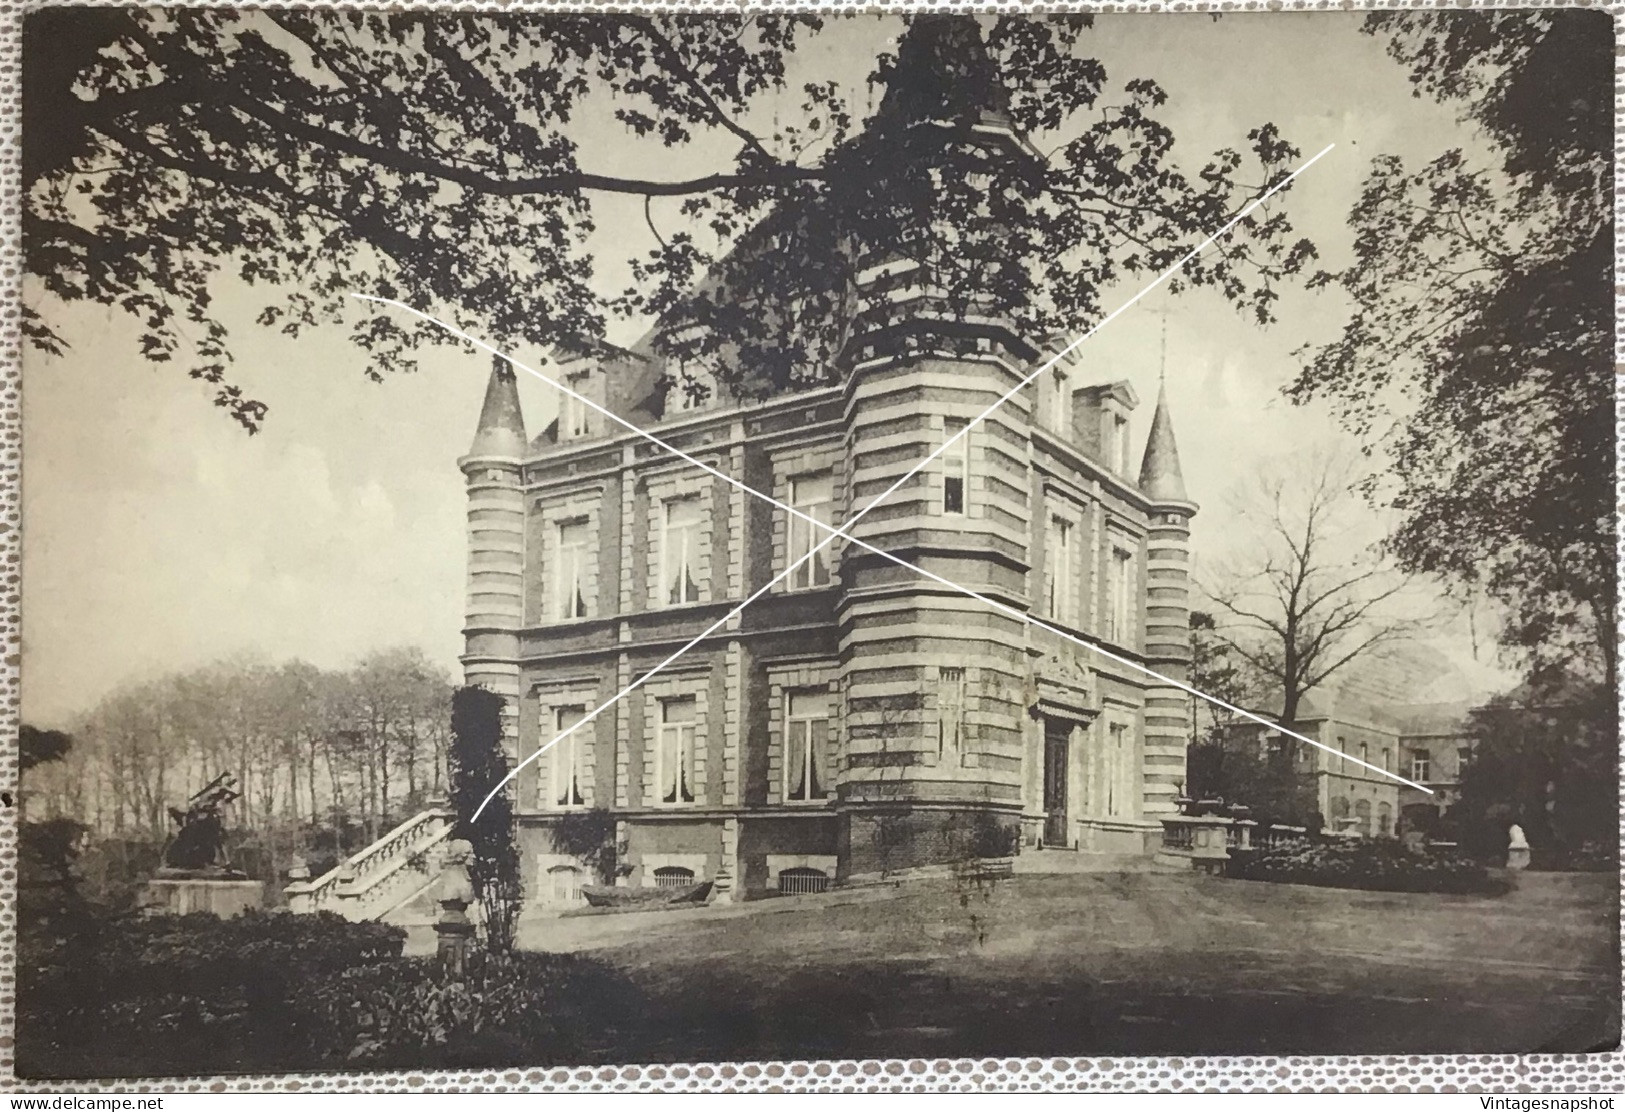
x=569, y=570
x=674, y=751
x=950, y=711
x=1387, y=759
x=572, y=410
x=1118, y=575
x=811, y=495
x=806, y=746
x=955, y=466
x=569, y=765
x=1119, y=771
x=1058, y=570
x=1421, y=765
x=1464, y=757
x=680, y=551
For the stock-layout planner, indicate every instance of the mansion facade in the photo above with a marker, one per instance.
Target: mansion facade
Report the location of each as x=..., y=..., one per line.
x=857, y=718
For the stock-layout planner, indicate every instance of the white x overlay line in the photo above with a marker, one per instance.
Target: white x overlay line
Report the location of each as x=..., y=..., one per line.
x=834, y=532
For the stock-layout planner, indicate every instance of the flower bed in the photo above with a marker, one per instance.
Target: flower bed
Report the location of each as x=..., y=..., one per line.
x=1378, y=865
x=508, y=1009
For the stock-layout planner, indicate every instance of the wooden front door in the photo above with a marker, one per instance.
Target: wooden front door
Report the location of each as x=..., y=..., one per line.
x=1057, y=749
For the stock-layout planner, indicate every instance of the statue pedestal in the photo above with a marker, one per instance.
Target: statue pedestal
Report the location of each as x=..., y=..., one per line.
x=183, y=895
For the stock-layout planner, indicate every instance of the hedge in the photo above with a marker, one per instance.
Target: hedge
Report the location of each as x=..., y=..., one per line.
x=1382, y=865
x=179, y=994
x=283, y=992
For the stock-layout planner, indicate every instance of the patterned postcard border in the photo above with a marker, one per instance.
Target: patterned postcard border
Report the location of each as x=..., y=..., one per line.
x=1548, y=1073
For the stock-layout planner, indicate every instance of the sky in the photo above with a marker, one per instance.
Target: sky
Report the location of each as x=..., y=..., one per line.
x=159, y=537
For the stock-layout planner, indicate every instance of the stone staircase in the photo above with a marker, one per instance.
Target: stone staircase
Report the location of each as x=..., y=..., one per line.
x=385, y=876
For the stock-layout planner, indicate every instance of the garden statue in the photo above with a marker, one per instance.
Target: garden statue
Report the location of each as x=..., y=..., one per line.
x=1517, y=848
x=199, y=846
x=197, y=874
x=454, y=929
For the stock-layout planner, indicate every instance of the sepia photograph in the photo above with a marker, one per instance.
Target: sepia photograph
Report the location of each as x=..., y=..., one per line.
x=559, y=539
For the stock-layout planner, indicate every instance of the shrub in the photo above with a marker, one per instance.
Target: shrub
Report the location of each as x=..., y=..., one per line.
x=991, y=836
x=1382, y=865
x=187, y=994
x=589, y=837
x=509, y=1009
x=477, y=763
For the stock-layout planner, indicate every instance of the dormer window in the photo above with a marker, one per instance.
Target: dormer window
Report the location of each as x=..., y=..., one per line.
x=1117, y=449
x=573, y=407
x=1055, y=407
x=689, y=390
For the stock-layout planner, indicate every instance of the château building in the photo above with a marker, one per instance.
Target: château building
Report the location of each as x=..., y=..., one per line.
x=858, y=718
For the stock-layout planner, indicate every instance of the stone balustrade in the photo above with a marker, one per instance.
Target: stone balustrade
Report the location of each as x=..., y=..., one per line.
x=380, y=876
x=1208, y=841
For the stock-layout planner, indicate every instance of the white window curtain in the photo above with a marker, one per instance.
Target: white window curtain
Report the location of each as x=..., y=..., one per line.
x=572, y=410
x=1058, y=570
x=1118, y=576
x=806, y=744
x=811, y=495
x=570, y=558
x=1057, y=403
x=675, y=751
x=680, y=551
x=568, y=755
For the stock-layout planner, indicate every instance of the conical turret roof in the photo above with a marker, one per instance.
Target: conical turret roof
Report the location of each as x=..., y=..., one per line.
x=943, y=73
x=501, y=430
x=1160, y=476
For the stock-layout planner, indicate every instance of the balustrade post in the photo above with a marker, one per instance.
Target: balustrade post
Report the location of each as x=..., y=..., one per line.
x=1245, y=829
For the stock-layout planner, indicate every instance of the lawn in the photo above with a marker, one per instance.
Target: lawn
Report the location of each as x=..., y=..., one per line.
x=1118, y=963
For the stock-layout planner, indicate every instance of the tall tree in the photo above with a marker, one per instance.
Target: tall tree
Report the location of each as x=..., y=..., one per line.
x=1307, y=598
x=1546, y=757
x=37, y=746
x=479, y=761
x=1483, y=304
x=439, y=157
x=1221, y=761
x=48, y=880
